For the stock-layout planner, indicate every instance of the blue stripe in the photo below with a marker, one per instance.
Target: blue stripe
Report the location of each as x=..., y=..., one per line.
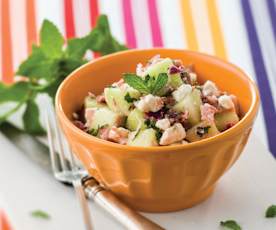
x=272, y=13
x=261, y=76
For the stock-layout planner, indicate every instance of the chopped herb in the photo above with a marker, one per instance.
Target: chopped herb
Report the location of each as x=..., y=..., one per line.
x=230, y=224
x=271, y=211
x=150, y=123
x=40, y=214
x=158, y=134
x=200, y=131
x=149, y=85
x=130, y=99
x=94, y=132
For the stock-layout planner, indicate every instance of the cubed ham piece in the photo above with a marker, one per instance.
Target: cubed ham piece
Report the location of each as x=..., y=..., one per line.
x=207, y=112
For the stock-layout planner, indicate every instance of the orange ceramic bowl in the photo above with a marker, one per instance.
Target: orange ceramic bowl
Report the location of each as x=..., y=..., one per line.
x=157, y=179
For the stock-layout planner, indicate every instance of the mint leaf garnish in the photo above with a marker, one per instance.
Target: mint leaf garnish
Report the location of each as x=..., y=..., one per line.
x=159, y=83
x=31, y=119
x=51, y=40
x=271, y=211
x=230, y=224
x=40, y=214
x=136, y=82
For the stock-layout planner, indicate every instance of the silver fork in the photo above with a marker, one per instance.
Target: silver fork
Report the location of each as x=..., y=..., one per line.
x=64, y=171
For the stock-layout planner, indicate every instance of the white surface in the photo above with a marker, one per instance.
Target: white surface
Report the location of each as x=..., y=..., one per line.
x=243, y=194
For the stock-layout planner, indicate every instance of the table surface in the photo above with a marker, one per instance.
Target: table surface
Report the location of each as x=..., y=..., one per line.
x=242, y=194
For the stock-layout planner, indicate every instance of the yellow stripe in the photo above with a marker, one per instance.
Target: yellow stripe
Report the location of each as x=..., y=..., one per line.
x=216, y=29
x=189, y=25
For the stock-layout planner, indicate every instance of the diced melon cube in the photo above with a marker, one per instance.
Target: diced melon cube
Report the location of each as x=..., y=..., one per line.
x=135, y=120
x=115, y=99
x=201, y=131
x=160, y=67
x=191, y=103
x=226, y=119
x=104, y=116
x=144, y=138
x=90, y=102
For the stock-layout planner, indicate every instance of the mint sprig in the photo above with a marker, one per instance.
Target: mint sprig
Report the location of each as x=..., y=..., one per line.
x=40, y=214
x=230, y=224
x=48, y=65
x=149, y=85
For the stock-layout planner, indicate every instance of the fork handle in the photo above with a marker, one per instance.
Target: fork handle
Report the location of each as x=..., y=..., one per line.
x=124, y=214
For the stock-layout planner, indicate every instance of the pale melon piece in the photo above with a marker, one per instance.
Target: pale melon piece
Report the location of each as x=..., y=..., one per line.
x=90, y=102
x=201, y=131
x=135, y=120
x=115, y=99
x=144, y=138
x=191, y=103
x=105, y=117
x=160, y=67
x=226, y=119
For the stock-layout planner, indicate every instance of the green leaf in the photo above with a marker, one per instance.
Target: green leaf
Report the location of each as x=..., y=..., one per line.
x=40, y=214
x=31, y=66
x=101, y=39
x=160, y=83
x=51, y=40
x=230, y=224
x=14, y=93
x=77, y=47
x=31, y=119
x=136, y=82
x=271, y=211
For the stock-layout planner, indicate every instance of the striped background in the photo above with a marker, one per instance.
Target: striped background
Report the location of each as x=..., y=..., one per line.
x=241, y=31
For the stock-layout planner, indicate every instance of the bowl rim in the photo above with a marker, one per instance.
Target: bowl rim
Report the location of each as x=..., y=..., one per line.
x=247, y=118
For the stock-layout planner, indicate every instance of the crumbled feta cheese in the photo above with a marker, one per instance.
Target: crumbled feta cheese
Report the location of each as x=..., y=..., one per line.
x=173, y=134
x=184, y=142
x=149, y=103
x=226, y=102
x=193, y=77
x=163, y=124
x=209, y=88
x=181, y=92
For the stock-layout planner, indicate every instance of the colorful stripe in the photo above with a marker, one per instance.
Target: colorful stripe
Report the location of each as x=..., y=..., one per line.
x=215, y=27
x=69, y=19
x=271, y=5
x=189, y=25
x=129, y=25
x=155, y=25
x=262, y=78
x=31, y=24
x=94, y=12
x=7, y=65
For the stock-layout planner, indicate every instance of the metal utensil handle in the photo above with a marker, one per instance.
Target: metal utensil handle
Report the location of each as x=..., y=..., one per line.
x=124, y=214
x=83, y=203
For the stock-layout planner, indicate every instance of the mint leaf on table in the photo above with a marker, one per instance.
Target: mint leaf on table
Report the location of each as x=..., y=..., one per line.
x=51, y=40
x=40, y=214
x=77, y=47
x=136, y=82
x=271, y=211
x=31, y=119
x=230, y=224
x=159, y=83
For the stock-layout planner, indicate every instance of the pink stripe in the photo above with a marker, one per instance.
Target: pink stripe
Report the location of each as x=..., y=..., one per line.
x=155, y=25
x=142, y=24
x=128, y=22
x=18, y=31
x=1, y=61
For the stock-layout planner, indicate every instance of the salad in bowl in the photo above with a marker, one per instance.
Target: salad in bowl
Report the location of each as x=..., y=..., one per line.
x=161, y=104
